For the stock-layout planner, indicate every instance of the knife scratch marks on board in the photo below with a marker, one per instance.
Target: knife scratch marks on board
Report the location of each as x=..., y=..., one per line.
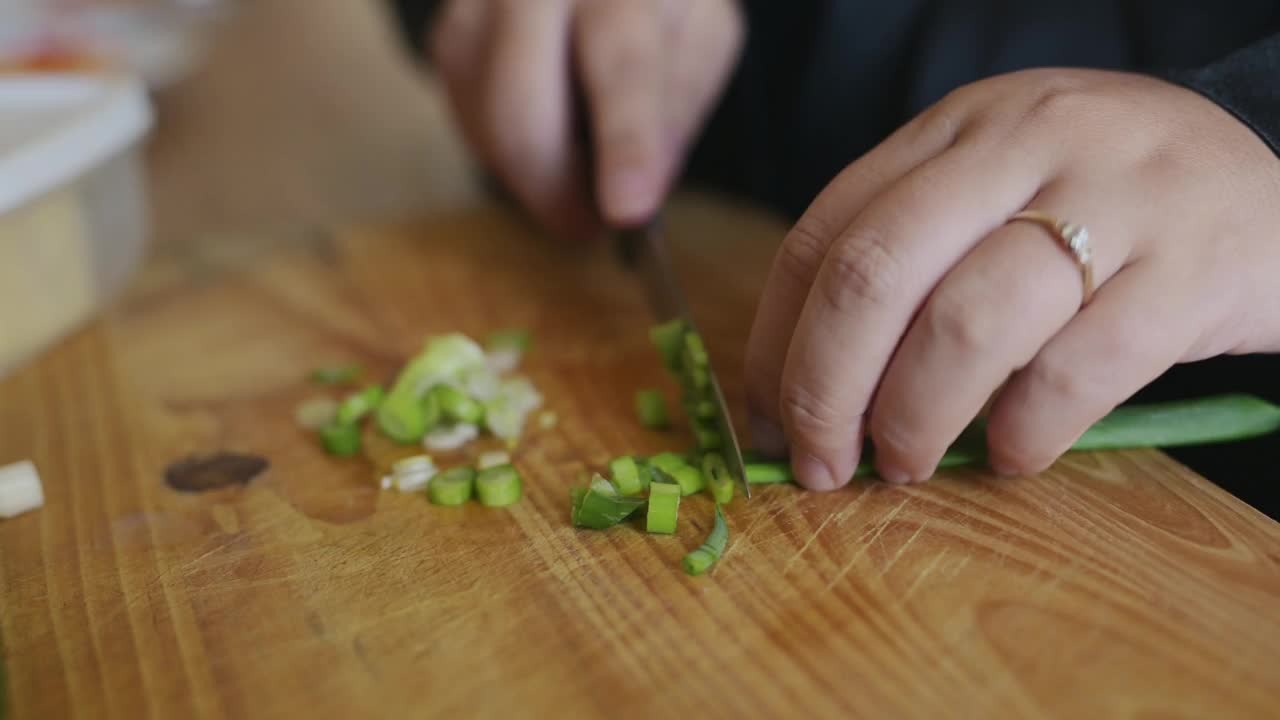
x=923, y=575
x=807, y=543
x=902, y=550
x=875, y=537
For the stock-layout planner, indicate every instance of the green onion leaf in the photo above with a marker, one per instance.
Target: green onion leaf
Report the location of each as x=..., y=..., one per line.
x=357, y=405
x=700, y=560
x=452, y=487
x=341, y=439
x=602, y=507
x=664, y=507
x=719, y=480
x=336, y=375
x=498, y=486
x=651, y=409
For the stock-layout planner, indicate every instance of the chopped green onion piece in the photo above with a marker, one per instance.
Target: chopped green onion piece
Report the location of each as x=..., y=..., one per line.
x=669, y=339
x=315, y=413
x=707, y=436
x=452, y=487
x=718, y=478
x=450, y=437
x=336, y=375
x=341, y=439
x=667, y=461
x=547, y=420
x=445, y=357
x=664, y=507
x=492, y=458
x=576, y=496
x=700, y=408
x=456, y=405
x=602, y=507
x=695, y=353
x=357, y=405
x=651, y=409
x=508, y=339
x=626, y=476
x=431, y=412
x=402, y=417
x=698, y=561
x=688, y=477
x=498, y=486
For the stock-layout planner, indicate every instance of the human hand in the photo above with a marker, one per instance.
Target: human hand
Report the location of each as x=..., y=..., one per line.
x=649, y=71
x=903, y=299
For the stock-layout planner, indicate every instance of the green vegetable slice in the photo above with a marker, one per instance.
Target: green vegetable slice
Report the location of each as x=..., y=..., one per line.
x=700, y=560
x=357, y=405
x=626, y=476
x=664, y=507
x=576, y=496
x=651, y=409
x=452, y=487
x=402, y=417
x=602, y=507
x=341, y=439
x=336, y=375
x=669, y=339
x=719, y=480
x=498, y=486
x=456, y=405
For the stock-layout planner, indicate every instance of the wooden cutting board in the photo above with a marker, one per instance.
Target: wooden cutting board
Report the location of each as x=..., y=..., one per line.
x=1112, y=585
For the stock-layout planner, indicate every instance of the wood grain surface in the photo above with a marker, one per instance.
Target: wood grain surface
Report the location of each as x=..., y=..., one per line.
x=1117, y=585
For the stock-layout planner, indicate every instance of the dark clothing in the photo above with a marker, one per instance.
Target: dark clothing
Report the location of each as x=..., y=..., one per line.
x=821, y=82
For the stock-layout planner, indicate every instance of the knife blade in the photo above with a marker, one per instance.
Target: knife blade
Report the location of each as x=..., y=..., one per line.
x=643, y=250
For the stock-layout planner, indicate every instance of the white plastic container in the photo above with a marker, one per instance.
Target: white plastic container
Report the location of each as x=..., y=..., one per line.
x=73, y=216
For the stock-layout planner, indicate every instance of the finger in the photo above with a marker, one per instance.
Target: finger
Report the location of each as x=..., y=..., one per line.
x=617, y=43
x=457, y=49
x=527, y=125
x=988, y=317
x=873, y=280
x=701, y=41
x=1135, y=328
x=798, y=258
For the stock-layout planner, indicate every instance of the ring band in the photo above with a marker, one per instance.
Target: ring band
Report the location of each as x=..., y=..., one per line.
x=1075, y=238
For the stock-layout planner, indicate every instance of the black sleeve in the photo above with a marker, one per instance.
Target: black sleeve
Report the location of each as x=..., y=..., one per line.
x=1246, y=84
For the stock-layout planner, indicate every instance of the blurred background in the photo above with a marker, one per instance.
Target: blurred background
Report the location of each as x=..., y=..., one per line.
x=268, y=113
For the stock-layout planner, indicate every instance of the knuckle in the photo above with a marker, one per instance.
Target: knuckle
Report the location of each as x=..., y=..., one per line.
x=811, y=417
x=1062, y=381
x=861, y=270
x=958, y=323
x=1059, y=101
x=802, y=251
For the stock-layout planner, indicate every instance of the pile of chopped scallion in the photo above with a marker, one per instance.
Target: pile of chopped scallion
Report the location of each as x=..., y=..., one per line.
x=450, y=394
x=657, y=483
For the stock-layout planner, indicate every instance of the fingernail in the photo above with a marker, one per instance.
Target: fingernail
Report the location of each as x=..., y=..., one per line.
x=893, y=475
x=813, y=474
x=766, y=436
x=628, y=196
